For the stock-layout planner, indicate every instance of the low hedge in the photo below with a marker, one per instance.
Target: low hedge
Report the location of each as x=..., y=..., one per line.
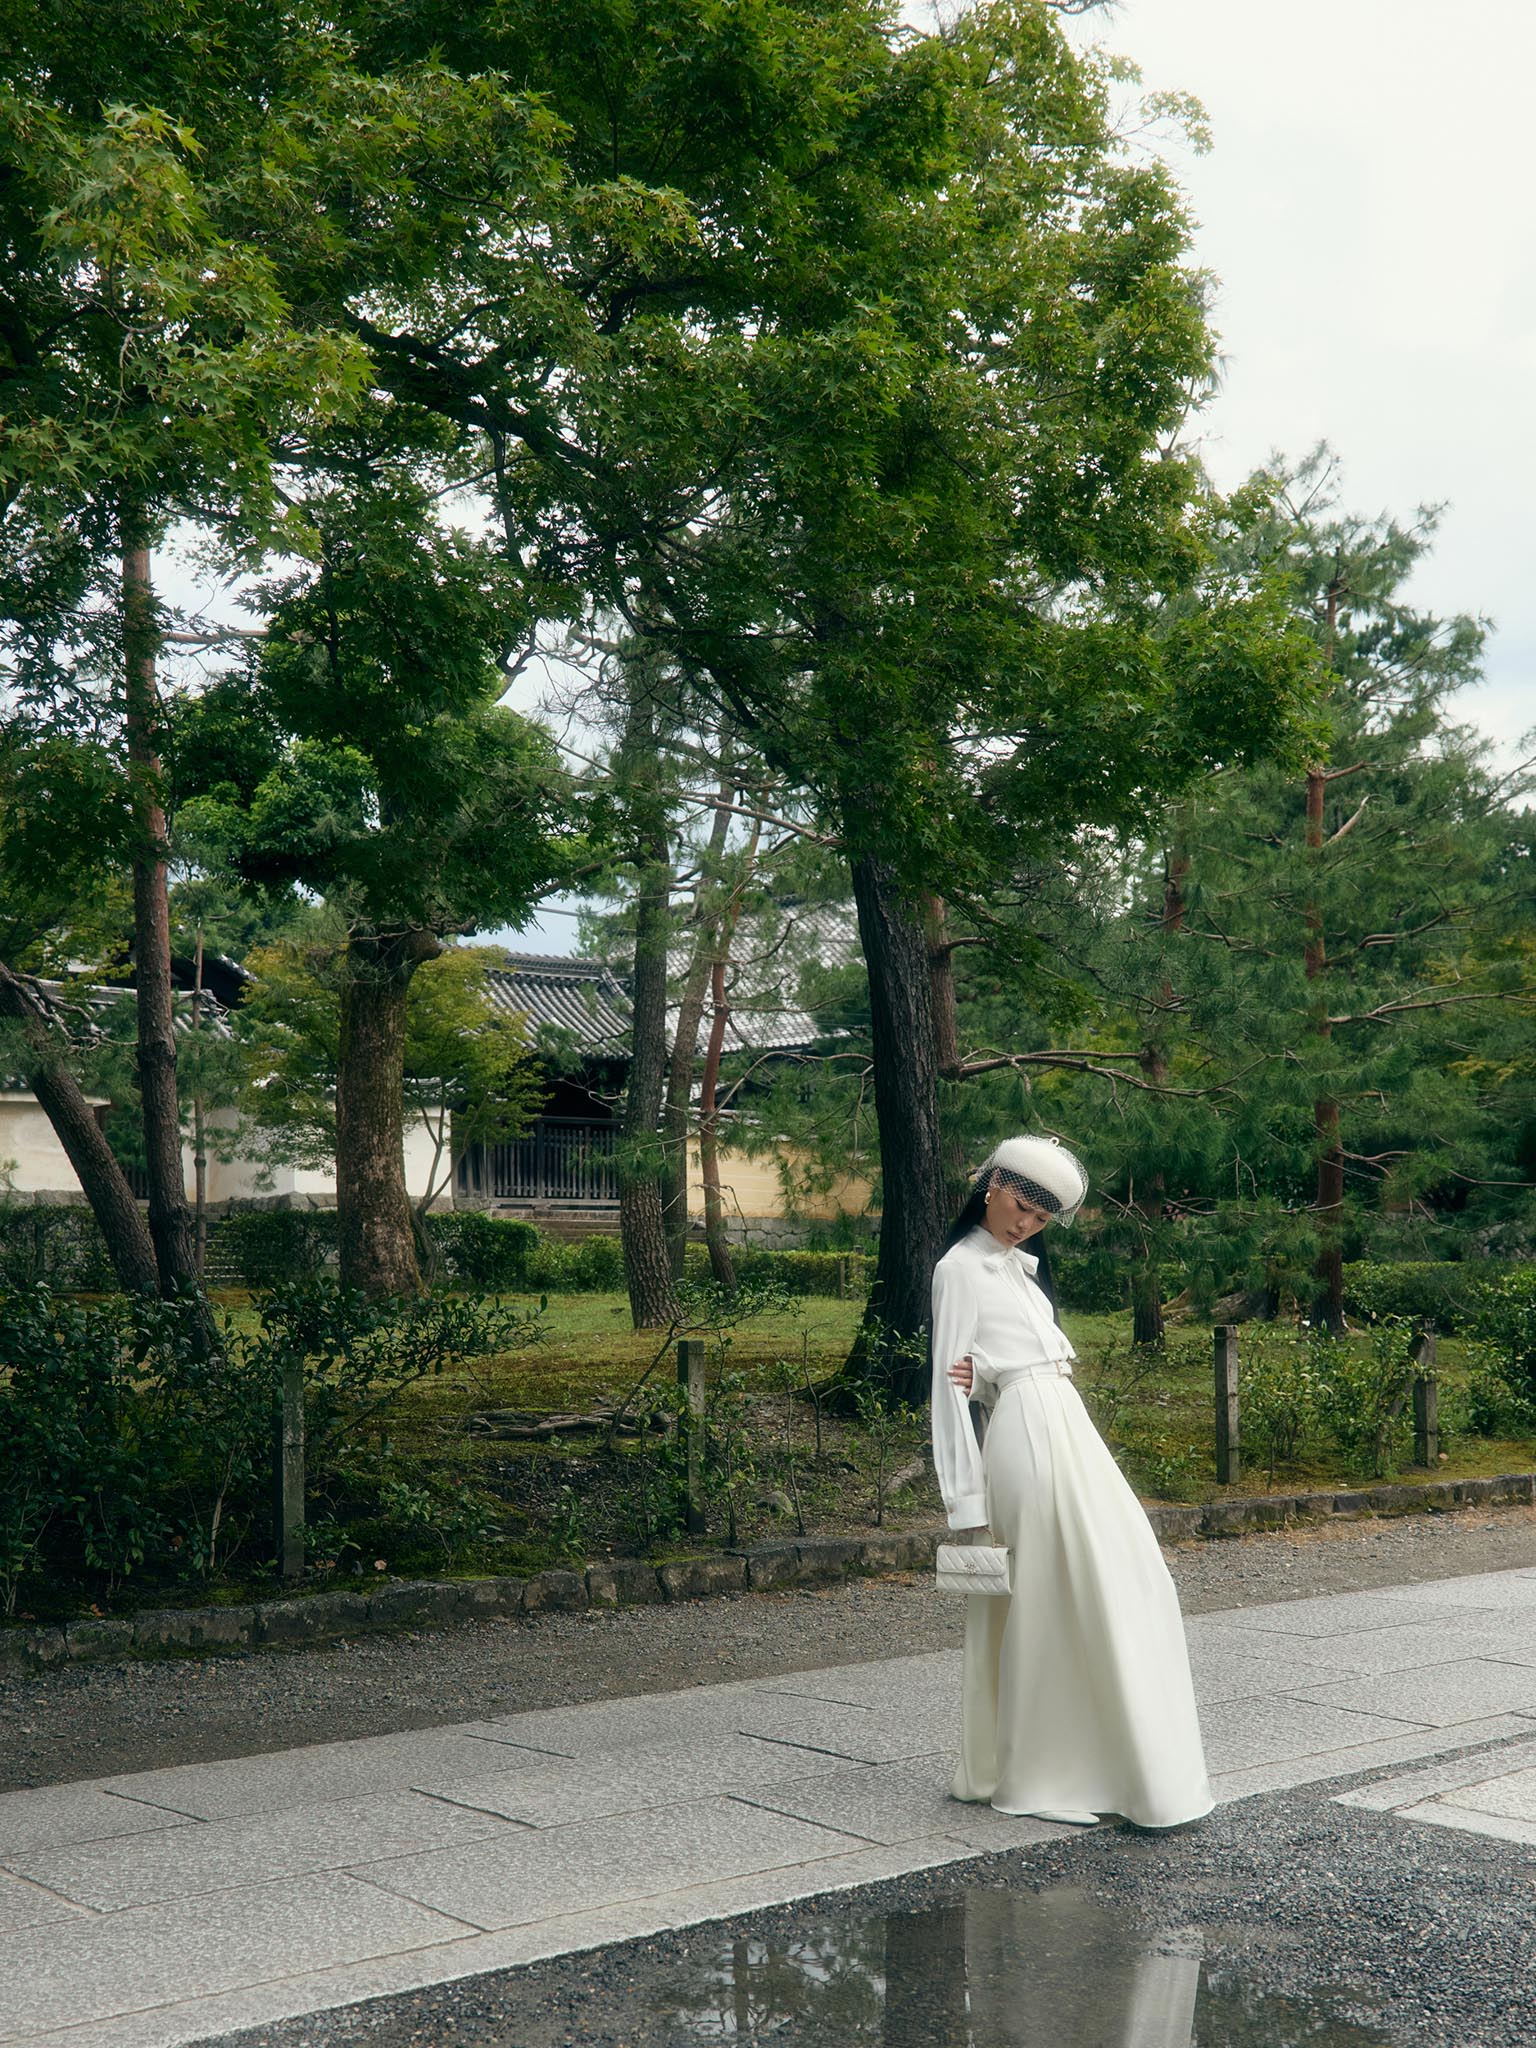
x=800, y=1273
x=54, y=1246
x=266, y=1247
x=1440, y=1294
x=492, y=1252
x=506, y=1255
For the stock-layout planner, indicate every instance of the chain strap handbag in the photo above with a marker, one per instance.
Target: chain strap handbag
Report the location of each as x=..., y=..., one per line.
x=974, y=1568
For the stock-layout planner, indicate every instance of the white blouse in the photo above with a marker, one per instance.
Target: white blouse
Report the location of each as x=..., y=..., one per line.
x=987, y=1307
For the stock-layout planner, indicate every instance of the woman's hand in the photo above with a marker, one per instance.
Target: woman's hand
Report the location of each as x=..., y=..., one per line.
x=963, y=1373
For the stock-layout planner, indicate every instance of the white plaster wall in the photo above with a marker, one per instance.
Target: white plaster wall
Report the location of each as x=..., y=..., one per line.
x=419, y=1155
x=35, y=1160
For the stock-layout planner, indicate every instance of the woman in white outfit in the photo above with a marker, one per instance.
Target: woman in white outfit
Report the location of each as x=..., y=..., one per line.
x=1077, y=1695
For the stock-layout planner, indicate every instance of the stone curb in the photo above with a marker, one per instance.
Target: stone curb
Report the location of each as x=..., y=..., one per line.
x=632, y=1582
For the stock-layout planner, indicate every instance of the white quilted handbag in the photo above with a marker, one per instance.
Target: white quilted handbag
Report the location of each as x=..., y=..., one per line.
x=974, y=1568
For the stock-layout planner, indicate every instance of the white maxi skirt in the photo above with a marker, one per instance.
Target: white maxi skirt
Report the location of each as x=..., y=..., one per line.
x=1077, y=1693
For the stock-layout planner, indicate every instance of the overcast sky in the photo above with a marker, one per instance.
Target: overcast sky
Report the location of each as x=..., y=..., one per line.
x=1367, y=213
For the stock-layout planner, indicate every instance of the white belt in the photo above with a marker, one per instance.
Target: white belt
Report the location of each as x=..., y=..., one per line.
x=1047, y=1369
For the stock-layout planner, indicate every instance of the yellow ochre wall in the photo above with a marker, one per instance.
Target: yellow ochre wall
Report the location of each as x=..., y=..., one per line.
x=752, y=1187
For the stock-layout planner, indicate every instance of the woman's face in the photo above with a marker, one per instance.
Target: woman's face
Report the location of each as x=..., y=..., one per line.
x=1009, y=1217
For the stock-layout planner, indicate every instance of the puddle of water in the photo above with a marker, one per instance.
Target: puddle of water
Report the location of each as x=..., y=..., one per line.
x=991, y=1969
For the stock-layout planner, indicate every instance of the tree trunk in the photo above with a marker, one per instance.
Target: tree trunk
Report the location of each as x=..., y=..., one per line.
x=375, y=1230
x=647, y=1269
x=675, y=1118
x=720, y=1264
x=946, y=1028
x=889, y=1350
x=199, y=1134
x=123, y=1229
x=1328, y=1308
x=685, y=1039
x=721, y=940
x=170, y=1223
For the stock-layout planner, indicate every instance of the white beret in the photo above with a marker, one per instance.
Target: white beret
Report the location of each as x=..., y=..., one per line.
x=1040, y=1166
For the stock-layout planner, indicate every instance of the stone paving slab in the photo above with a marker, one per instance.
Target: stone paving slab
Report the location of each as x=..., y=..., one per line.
x=1512, y=1795
x=863, y=1734
x=1347, y=1614
x=329, y=1770
x=932, y=1676
x=1512, y=1590
x=28, y=1905
x=1437, y=1694
x=74, y=1813
x=893, y=1802
x=653, y=1720
x=1446, y=1813
x=1413, y=1646
x=68, y=1974
x=483, y=1846
x=225, y=1855
x=590, y=1788
x=1448, y=1775
x=532, y=1874
x=313, y=1991
x=1274, y=1728
x=1256, y=1779
x=1491, y=1794
x=1241, y=1665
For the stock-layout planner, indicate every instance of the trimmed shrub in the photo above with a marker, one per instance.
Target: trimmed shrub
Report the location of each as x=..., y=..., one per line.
x=57, y=1246
x=493, y=1252
x=269, y=1247
x=1504, y=1319
x=1436, y=1294
x=597, y=1265
x=506, y=1255
x=803, y=1273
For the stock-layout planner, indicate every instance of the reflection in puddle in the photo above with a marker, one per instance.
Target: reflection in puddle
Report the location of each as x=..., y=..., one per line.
x=994, y=1969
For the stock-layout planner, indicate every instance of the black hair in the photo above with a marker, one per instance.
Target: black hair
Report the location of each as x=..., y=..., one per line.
x=974, y=1217
x=974, y=1213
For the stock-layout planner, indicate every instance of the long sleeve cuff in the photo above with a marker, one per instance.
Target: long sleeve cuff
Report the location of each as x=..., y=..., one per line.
x=969, y=1512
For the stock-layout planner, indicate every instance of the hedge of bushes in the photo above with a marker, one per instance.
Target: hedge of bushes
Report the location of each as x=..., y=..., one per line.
x=62, y=1248
x=57, y=1246
x=504, y=1254
x=1441, y=1294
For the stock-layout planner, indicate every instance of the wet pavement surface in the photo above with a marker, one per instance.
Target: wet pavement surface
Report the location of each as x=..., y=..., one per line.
x=1288, y=1921
x=987, y=1969
x=774, y=1858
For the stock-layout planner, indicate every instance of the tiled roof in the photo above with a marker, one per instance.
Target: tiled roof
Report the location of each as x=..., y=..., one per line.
x=763, y=978
x=588, y=1000
x=583, y=998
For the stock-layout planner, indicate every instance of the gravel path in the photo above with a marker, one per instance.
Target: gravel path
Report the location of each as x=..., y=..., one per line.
x=1316, y=1922
x=96, y=1720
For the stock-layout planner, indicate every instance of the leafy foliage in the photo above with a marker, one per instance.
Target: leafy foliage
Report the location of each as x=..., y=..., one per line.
x=134, y=1450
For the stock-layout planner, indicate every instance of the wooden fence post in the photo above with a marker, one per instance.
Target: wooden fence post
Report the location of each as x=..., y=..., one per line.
x=1229, y=1460
x=288, y=1474
x=1426, y=1402
x=690, y=1377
